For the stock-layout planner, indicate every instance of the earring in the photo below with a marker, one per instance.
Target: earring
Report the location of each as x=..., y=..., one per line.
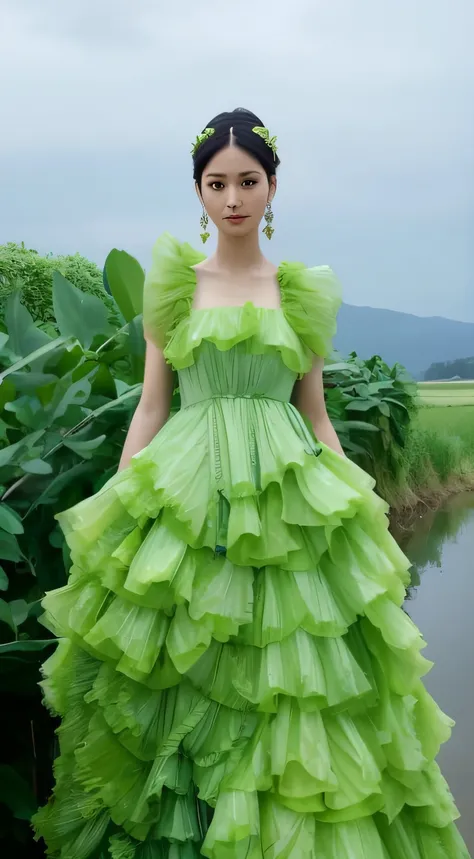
x=268, y=230
x=204, y=222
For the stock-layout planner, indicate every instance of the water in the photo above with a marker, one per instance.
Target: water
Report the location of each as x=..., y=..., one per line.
x=441, y=603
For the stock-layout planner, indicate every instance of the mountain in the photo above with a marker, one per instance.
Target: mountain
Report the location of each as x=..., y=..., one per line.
x=415, y=341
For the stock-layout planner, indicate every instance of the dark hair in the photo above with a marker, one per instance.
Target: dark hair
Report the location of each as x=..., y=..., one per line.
x=241, y=121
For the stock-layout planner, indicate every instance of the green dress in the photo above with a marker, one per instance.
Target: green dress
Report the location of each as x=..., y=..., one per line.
x=235, y=675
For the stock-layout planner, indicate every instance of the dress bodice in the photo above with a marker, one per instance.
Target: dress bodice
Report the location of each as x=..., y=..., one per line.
x=236, y=373
x=246, y=351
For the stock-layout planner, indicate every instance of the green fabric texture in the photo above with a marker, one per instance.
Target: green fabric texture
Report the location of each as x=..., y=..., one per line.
x=235, y=675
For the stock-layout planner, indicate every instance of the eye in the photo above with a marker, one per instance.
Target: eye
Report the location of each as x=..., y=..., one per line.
x=216, y=186
x=248, y=183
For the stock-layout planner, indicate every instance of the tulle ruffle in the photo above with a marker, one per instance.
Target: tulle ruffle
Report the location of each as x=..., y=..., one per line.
x=320, y=776
x=305, y=324
x=277, y=692
x=169, y=287
x=145, y=745
x=277, y=504
x=311, y=298
x=264, y=331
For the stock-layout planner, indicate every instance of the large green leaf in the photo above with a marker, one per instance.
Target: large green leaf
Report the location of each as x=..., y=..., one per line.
x=14, y=613
x=103, y=382
x=339, y=367
x=84, y=448
x=36, y=466
x=132, y=393
x=353, y=447
x=7, y=391
x=375, y=387
x=137, y=348
x=364, y=426
x=16, y=793
x=29, y=383
x=7, y=454
x=51, y=493
x=24, y=336
x=37, y=356
x=3, y=580
x=397, y=403
x=10, y=520
x=67, y=394
x=361, y=405
x=6, y=614
x=9, y=548
x=25, y=644
x=27, y=411
x=77, y=313
x=19, y=610
x=125, y=278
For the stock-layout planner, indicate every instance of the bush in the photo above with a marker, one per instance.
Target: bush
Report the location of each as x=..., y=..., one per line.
x=371, y=406
x=26, y=270
x=66, y=399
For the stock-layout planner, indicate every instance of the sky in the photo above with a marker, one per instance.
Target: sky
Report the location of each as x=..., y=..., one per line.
x=371, y=100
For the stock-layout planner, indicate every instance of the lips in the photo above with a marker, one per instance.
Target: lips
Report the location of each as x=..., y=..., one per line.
x=237, y=218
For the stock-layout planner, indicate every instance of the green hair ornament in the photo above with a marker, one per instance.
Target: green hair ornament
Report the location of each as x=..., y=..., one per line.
x=201, y=138
x=258, y=129
x=265, y=135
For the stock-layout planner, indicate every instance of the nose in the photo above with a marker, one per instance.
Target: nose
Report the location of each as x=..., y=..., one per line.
x=233, y=198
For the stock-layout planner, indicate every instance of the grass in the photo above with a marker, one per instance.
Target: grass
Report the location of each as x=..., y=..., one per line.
x=455, y=421
x=438, y=460
x=459, y=393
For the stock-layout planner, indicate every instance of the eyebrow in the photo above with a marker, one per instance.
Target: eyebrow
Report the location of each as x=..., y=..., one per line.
x=244, y=173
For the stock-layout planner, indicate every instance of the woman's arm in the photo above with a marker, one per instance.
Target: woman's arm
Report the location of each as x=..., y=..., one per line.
x=153, y=408
x=309, y=400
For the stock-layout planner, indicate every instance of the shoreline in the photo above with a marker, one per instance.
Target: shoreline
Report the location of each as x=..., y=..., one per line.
x=411, y=505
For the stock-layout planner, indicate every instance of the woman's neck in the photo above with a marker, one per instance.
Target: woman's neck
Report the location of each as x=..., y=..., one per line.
x=238, y=253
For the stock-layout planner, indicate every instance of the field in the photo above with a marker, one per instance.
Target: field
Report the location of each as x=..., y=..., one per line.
x=447, y=418
x=456, y=421
x=439, y=457
x=446, y=393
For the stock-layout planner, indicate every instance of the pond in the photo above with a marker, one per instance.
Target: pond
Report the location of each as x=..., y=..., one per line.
x=441, y=602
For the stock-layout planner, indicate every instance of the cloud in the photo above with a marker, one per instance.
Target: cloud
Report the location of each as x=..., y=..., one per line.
x=370, y=101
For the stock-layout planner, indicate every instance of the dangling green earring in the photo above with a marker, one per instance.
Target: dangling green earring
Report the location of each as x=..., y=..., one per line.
x=268, y=230
x=204, y=222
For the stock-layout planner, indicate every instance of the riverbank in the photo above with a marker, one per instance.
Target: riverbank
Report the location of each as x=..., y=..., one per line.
x=438, y=462
x=440, y=547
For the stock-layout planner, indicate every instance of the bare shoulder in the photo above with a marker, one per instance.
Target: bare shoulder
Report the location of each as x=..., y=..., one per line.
x=207, y=264
x=269, y=269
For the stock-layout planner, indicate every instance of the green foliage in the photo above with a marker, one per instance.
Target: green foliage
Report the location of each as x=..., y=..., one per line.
x=124, y=278
x=25, y=270
x=371, y=406
x=66, y=398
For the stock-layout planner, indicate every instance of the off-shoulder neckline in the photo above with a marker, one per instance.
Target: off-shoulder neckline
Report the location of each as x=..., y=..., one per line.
x=247, y=304
x=309, y=299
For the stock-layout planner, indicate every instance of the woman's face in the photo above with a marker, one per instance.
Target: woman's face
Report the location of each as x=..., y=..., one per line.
x=235, y=190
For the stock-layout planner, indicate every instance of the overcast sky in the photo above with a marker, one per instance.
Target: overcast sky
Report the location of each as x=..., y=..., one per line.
x=372, y=102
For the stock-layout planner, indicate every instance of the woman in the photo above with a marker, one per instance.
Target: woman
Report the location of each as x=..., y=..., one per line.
x=236, y=677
